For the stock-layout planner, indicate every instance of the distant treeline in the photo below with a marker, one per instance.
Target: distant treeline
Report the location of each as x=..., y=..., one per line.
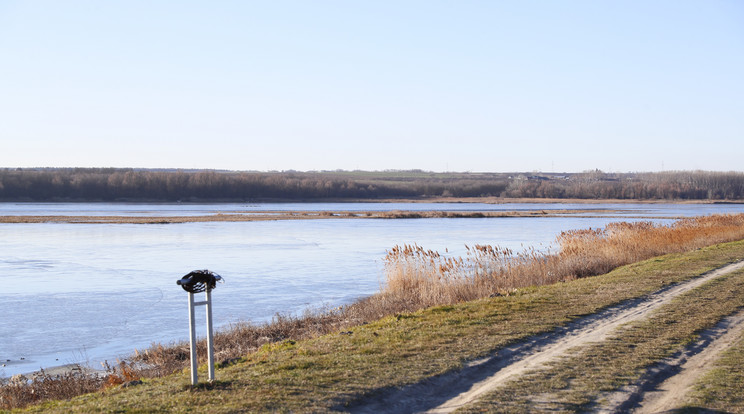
x=109, y=184
x=676, y=185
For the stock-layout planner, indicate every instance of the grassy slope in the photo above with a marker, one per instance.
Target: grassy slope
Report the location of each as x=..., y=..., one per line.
x=318, y=374
x=580, y=381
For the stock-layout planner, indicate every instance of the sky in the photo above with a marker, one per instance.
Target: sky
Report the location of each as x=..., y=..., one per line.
x=466, y=85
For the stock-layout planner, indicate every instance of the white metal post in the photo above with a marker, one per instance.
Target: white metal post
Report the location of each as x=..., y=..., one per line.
x=210, y=337
x=192, y=339
x=192, y=336
x=195, y=282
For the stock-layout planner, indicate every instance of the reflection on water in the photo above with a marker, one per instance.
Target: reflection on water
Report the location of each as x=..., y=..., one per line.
x=76, y=292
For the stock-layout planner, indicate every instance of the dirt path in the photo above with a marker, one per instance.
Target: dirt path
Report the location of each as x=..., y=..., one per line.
x=671, y=393
x=595, y=332
x=450, y=392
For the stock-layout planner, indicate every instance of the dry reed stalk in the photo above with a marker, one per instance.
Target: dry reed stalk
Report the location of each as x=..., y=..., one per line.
x=420, y=278
x=20, y=391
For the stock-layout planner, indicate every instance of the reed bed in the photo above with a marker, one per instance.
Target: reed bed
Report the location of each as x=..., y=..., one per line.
x=20, y=390
x=418, y=278
x=415, y=278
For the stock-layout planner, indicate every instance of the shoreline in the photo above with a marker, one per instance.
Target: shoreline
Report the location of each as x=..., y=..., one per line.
x=55, y=371
x=417, y=200
x=320, y=215
x=276, y=215
x=503, y=200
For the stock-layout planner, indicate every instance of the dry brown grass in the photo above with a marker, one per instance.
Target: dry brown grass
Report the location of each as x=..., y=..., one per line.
x=419, y=278
x=415, y=278
x=20, y=390
x=240, y=339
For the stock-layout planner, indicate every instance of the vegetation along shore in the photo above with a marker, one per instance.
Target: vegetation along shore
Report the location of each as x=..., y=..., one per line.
x=446, y=323
x=306, y=215
x=127, y=184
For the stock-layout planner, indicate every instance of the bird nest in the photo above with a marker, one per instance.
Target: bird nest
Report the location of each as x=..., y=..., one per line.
x=199, y=281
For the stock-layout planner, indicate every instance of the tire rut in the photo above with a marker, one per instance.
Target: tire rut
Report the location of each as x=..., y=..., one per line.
x=666, y=385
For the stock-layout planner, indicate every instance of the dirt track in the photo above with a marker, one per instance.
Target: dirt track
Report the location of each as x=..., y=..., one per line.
x=671, y=393
x=450, y=392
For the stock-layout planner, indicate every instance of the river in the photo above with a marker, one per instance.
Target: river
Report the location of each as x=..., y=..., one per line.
x=85, y=293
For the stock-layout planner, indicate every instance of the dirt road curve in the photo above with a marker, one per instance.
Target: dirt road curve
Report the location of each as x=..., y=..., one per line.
x=449, y=392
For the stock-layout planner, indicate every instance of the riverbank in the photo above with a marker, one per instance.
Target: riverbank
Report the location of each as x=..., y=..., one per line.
x=304, y=215
x=431, y=207
x=533, y=200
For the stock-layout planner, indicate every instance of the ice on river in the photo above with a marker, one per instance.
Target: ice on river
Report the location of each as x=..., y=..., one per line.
x=93, y=292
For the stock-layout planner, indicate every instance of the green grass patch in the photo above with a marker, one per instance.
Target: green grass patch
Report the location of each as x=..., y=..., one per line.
x=333, y=370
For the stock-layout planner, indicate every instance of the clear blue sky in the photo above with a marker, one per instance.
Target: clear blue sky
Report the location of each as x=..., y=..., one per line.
x=310, y=85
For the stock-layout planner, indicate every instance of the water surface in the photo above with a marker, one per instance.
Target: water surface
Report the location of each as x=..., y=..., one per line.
x=92, y=292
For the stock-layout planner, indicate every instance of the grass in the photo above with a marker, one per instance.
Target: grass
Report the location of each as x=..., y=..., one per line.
x=339, y=368
x=581, y=381
x=722, y=388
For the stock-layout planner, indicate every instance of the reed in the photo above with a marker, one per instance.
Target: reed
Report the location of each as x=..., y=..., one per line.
x=417, y=278
x=20, y=390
